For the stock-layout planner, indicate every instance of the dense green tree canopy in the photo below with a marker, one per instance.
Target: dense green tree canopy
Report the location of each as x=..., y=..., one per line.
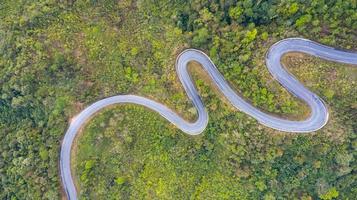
x=57, y=56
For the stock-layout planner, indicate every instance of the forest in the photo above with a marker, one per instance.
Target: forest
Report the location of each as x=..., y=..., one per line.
x=57, y=57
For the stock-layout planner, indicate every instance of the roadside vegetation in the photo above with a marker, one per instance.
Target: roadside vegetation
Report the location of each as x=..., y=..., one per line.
x=59, y=56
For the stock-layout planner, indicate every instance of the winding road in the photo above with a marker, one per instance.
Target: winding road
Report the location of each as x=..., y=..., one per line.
x=317, y=119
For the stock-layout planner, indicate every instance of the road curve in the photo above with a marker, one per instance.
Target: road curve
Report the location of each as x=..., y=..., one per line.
x=317, y=119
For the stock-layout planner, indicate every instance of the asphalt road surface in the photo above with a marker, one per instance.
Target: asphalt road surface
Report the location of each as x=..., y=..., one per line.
x=317, y=119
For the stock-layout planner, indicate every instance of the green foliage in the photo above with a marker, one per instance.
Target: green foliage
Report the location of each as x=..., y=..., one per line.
x=131, y=76
x=56, y=58
x=330, y=194
x=250, y=36
x=236, y=12
x=201, y=37
x=294, y=7
x=120, y=180
x=43, y=153
x=303, y=20
x=260, y=185
x=329, y=94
